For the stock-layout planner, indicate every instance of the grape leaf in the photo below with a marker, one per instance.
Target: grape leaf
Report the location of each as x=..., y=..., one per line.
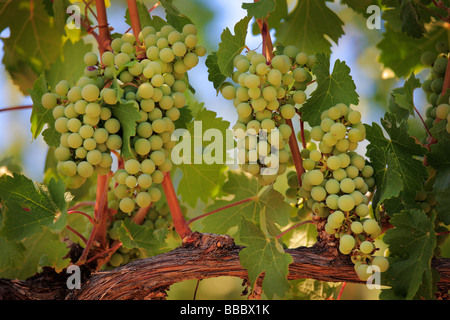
x=264, y=253
x=311, y=289
x=59, y=10
x=260, y=9
x=127, y=114
x=412, y=24
x=275, y=17
x=443, y=205
x=202, y=175
x=31, y=206
x=40, y=115
x=301, y=27
x=406, y=56
x=397, y=171
x=149, y=241
x=242, y=186
x=214, y=73
x=231, y=45
x=12, y=255
x=405, y=98
x=337, y=87
x=411, y=245
x=34, y=43
x=173, y=15
x=35, y=248
x=54, y=256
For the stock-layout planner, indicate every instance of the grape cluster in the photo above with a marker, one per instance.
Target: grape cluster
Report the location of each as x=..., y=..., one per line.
x=158, y=83
x=88, y=130
x=336, y=183
x=265, y=94
x=148, y=73
x=437, y=61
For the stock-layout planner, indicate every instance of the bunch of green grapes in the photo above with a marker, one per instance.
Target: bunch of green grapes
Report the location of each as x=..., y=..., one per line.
x=88, y=130
x=437, y=61
x=265, y=95
x=156, y=85
x=336, y=183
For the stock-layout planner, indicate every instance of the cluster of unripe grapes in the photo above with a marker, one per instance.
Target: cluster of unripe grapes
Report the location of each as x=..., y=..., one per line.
x=151, y=75
x=265, y=94
x=437, y=61
x=88, y=130
x=336, y=183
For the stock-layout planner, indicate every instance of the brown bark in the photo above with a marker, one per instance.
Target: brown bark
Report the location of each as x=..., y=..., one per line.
x=201, y=256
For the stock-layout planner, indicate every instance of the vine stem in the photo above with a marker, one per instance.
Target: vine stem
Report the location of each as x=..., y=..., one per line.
x=104, y=37
x=220, y=209
x=295, y=152
x=136, y=26
x=83, y=214
x=180, y=224
x=16, y=108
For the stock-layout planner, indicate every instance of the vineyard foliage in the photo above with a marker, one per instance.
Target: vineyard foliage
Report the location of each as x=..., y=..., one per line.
x=107, y=111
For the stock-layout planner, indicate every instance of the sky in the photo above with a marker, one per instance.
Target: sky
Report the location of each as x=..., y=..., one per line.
x=15, y=124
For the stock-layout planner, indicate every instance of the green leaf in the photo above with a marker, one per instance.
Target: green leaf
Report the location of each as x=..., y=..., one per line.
x=127, y=114
x=303, y=29
x=412, y=24
x=214, y=73
x=405, y=98
x=59, y=10
x=12, y=255
x=411, y=245
x=173, y=15
x=35, y=248
x=30, y=206
x=239, y=186
x=39, y=115
x=264, y=253
x=34, y=43
x=260, y=9
x=231, y=45
x=337, y=87
x=141, y=237
x=406, y=56
x=397, y=171
x=203, y=162
x=54, y=256
x=275, y=17
x=310, y=289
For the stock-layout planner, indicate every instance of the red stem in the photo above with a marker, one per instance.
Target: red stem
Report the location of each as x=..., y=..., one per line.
x=295, y=151
x=180, y=224
x=341, y=291
x=135, y=25
x=77, y=233
x=83, y=214
x=104, y=37
x=220, y=209
x=16, y=108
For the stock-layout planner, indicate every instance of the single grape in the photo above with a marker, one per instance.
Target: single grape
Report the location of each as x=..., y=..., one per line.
x=366, y=247
x=346, y=203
